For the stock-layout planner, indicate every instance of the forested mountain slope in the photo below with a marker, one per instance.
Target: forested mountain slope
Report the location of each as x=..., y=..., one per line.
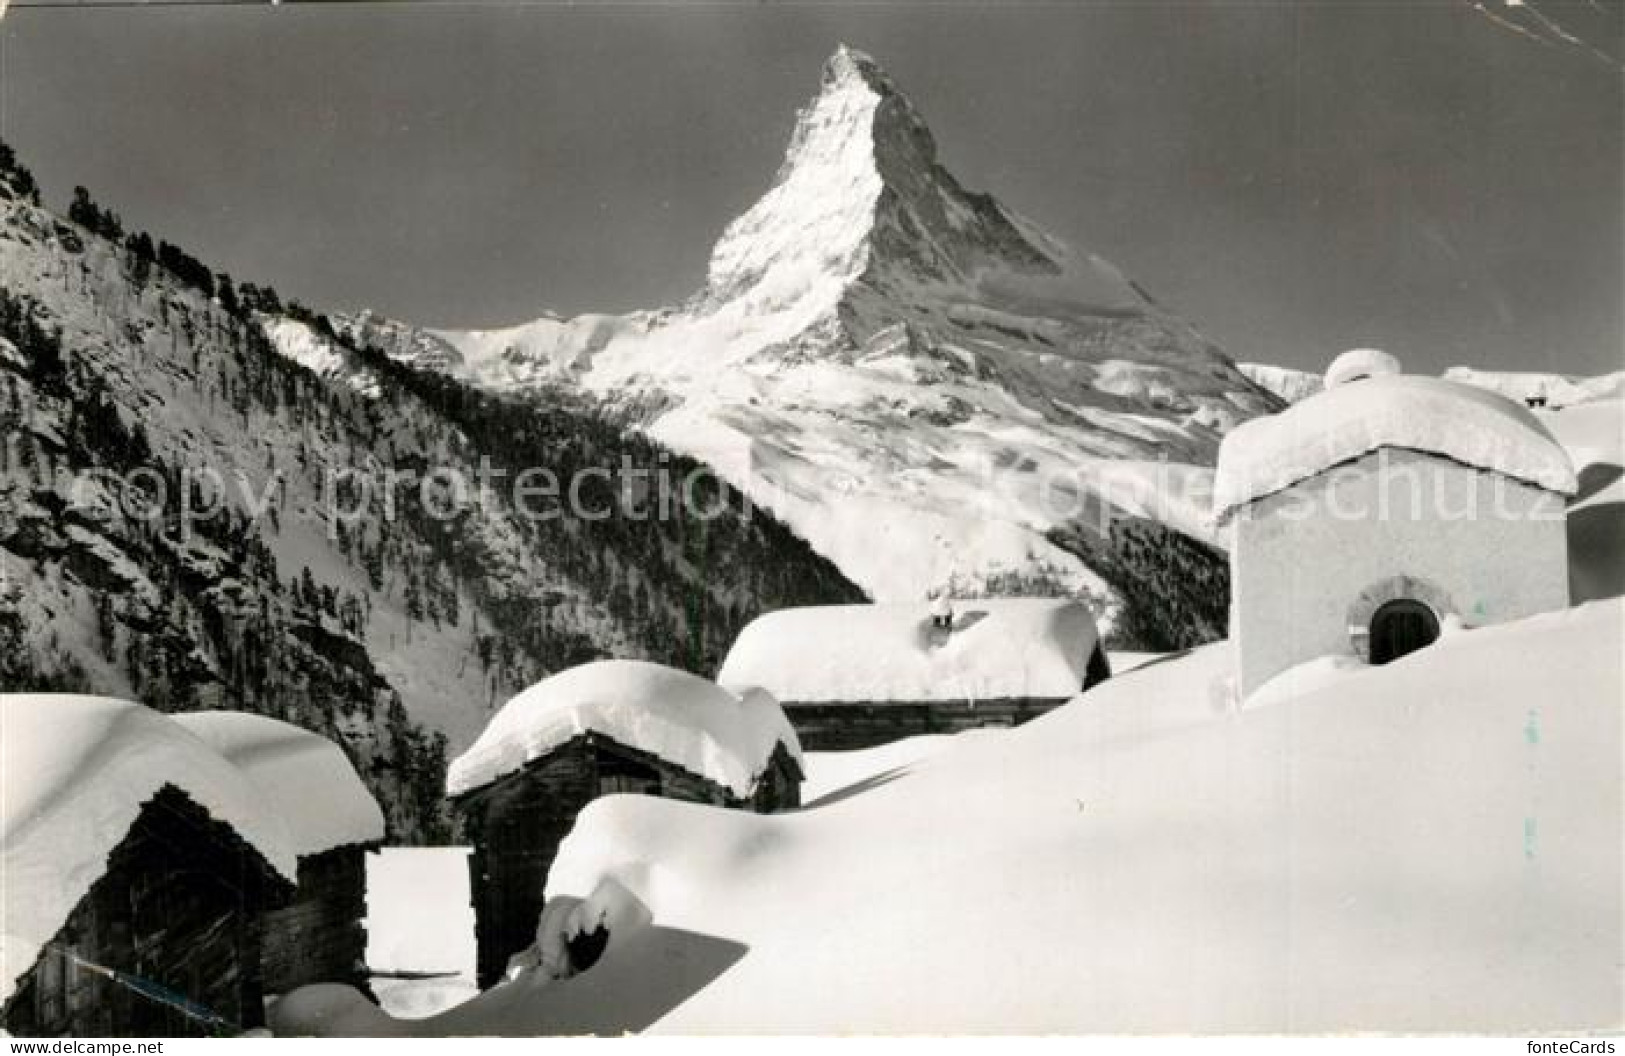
x=191, y=517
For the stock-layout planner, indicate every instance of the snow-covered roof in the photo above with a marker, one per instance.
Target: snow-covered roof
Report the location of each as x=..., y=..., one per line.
x=306, y=778
x=998, y=649
x=671, y=714
x=74, y=774
x=1466, y=424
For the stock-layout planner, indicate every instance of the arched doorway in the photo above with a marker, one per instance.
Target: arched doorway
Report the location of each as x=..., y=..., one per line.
x=1404, y=634
x=1401, y=627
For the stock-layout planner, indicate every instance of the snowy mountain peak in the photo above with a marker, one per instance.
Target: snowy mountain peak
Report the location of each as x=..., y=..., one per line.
x=814, y=220
x=876, y=344
x=896, y=134
x=847, y=62
x=861, y=194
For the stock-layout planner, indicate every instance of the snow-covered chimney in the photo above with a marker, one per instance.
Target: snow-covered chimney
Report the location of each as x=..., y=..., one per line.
x=1359, y=363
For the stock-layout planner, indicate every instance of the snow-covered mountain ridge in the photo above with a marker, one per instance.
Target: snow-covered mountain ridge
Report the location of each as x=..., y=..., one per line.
x=1553, y=389
x=1550, y=389
x=1289, y=384
x=920, y=381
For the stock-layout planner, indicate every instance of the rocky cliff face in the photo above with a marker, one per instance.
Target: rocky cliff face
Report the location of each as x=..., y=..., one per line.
x=1289, y=384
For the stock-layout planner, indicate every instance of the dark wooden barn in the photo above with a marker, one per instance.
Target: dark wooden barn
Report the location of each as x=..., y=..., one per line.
x=517, y=807
x=856, y=676
x=177, y=913
x=332, y=821
x=138, y=869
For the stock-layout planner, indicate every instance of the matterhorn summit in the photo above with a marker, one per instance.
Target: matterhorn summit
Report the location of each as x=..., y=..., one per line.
x=862, y=197
x=920, y=381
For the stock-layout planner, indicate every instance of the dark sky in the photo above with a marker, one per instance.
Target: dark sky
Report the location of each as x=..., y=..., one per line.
x=1295, y=179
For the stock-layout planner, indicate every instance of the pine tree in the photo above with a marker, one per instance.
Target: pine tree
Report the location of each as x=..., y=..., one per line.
x=227, y=293
x=83, y=211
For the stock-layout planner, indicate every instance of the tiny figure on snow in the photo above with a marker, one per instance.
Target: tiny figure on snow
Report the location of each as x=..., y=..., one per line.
x=942, y=612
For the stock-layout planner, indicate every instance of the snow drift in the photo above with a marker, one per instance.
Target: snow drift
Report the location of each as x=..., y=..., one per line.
x=1433, y=845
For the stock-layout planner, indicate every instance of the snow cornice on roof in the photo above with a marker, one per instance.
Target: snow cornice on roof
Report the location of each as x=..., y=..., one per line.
x=672, y=715
x=1468, y=425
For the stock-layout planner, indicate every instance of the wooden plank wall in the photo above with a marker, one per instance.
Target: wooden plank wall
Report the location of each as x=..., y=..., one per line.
x=517, y=823
x=844, y=727
x=322, y=936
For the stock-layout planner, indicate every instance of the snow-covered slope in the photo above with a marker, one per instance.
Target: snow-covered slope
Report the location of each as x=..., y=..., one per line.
x=1558, y=390
x=1289, y=384
x=835, y=775
x=302, y=344
x=415, y=348
x=133, y=376
x=309, y=574
x=918, y=380
x=1593, y=433
x=74, y=774
x=1433, y=845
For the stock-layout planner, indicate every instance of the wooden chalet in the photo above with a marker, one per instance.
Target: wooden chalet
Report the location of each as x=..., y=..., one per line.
x=855, y=676
x=614, y=727
x=138, y=865
x=332, y=821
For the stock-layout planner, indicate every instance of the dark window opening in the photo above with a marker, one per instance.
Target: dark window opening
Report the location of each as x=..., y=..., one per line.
x=617, y=775
x=1400, y=628
x=586, y=947
x=1100, y=668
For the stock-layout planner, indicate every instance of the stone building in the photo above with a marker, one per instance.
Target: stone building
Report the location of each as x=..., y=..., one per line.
x=1369, y=517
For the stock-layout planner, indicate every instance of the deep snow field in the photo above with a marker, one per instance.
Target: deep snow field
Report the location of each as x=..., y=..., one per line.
x=420, y=923
x=1435, y=845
